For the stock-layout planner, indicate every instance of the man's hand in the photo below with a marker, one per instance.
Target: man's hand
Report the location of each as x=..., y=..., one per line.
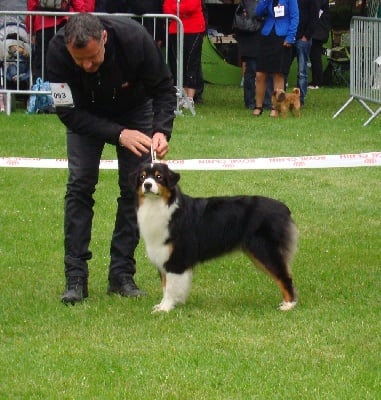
x=135, y=141
x=160, y=144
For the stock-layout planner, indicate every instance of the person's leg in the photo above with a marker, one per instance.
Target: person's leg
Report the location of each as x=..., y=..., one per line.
x=200, y=90
x=316, y=63
x=302, y=48
x=192, y=63
x=126, y=236
x=268, y=93
x=249, y=83
x=172, y=55
x=260, y=89
x=84, y=154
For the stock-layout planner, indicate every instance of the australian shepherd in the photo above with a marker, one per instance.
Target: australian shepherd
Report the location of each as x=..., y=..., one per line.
x=180, y=231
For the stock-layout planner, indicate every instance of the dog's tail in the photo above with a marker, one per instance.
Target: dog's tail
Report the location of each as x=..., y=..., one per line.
x=296, y=91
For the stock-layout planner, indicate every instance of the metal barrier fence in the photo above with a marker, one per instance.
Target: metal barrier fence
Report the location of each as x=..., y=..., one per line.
x=14, y=22
x=365, y=64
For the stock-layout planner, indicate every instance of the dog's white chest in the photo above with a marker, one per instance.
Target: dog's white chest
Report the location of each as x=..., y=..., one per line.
x=153, y=219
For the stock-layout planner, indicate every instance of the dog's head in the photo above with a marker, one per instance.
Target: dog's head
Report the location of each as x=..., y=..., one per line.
x=279, y=95
x=154, y=180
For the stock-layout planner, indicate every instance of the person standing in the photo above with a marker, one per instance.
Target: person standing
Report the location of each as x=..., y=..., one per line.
x=123, y=95
x=308, y=18
x=275, y=46
x=192, y=16
x=319, y=37
x=248, y=50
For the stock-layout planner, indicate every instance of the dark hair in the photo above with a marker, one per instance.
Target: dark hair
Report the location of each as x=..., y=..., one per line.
x=81, y=28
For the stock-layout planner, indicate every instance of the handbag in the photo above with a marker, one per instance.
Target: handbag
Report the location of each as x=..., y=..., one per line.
x=40, y=103
x=246, y=21
x=54, y=5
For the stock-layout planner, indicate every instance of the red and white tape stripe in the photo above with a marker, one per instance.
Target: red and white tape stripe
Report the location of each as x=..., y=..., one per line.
x=218, y=164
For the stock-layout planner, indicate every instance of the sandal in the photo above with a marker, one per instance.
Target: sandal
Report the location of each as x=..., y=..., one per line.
x=257, y=111
x=274, y=113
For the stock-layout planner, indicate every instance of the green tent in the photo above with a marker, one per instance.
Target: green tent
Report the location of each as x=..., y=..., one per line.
x=215, y=68
x=218, y=71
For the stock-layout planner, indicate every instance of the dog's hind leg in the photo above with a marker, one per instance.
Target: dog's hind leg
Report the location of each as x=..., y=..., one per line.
x=279, y=271
x=176, y=290
x=275, y=260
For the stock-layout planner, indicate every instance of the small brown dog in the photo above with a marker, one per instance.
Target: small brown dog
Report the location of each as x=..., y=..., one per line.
x=283, y=101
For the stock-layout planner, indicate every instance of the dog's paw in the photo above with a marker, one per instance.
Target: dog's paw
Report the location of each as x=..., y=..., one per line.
x=162, y=307
x=287, y=305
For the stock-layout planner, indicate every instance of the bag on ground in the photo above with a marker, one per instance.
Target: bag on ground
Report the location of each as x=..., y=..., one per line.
x=41, y=103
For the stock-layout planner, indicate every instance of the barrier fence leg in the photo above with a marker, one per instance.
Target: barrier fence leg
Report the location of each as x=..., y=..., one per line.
x=343, y=107
x=374, y=115
x=8, y=103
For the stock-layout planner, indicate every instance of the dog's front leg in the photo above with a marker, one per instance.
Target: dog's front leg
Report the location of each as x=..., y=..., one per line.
x=176, y=290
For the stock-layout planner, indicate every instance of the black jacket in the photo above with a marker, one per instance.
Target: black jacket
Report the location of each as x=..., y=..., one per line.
x=323, y=26
x=308, y=17
x=133, y=71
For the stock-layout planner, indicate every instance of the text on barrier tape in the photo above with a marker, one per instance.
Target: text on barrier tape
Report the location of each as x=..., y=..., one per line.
x=217, y=164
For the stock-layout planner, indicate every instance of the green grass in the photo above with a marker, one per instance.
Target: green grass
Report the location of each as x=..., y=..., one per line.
x=228, y=341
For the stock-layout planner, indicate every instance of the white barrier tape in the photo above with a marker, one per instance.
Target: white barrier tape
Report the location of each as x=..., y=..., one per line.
x=214, y=164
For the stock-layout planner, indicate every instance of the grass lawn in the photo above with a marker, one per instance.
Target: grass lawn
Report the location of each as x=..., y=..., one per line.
x=229, y=341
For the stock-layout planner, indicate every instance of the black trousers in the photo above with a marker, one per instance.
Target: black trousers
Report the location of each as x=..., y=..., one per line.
x=316, y=54
x=192, y=72
x=84, y=154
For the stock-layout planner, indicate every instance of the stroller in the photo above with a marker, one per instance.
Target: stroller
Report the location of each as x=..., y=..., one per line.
x=15, y=59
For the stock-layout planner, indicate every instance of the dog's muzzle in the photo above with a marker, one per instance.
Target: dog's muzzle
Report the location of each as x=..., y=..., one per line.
x=149, y=187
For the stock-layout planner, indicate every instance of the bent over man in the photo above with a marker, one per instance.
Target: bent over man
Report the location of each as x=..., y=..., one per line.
x=124, y=95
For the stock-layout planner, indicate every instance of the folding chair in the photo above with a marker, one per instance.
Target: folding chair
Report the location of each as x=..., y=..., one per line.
x=339, y=58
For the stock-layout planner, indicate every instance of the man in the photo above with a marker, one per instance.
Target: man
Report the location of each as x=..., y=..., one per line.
x=308, y=18
x=123, y=95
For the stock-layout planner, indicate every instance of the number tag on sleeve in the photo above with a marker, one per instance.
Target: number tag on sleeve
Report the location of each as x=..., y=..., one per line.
x=61, y=94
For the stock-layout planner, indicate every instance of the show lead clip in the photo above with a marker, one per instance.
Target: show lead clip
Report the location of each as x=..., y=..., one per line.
x=153, y=155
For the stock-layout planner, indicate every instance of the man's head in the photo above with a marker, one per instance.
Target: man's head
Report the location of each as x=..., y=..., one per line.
x=85, y=39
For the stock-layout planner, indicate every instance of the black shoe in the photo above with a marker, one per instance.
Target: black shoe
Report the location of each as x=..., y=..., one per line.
x=125, y=286
x=75, y=291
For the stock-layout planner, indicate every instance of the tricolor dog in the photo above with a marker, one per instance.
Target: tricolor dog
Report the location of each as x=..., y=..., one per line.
x=180, y=231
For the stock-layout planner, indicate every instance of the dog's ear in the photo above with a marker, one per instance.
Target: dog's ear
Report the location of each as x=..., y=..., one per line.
x=282, y=96
x=173, y=178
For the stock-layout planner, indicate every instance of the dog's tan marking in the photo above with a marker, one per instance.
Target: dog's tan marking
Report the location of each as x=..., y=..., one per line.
x=163, y=278
x=288, y=298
